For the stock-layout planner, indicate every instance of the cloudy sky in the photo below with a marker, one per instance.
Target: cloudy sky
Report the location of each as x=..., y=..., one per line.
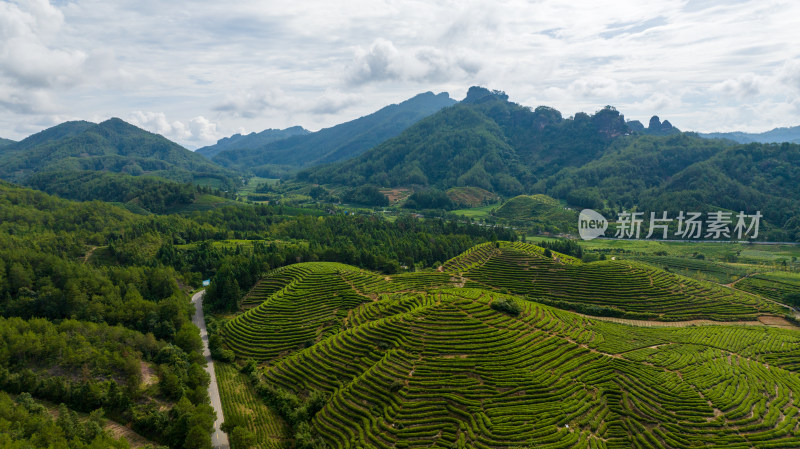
x=196, y=71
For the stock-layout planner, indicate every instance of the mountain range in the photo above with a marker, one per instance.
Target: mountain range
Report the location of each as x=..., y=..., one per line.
x=332, y=144
x=596, y=161
x=599, y=161
x=250, y=141
x=777, y=135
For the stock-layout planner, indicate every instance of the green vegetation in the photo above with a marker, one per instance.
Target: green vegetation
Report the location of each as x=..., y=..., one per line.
x=539, y=213
x=80, y=334
x=458, y=336
x=481, y=212
x=24, y=424
x=610, y=288
x=594, y=161
x=113, y=146
x=720, y=273
x=471, y=196
x=243, y=409
x=152, y=194
x=447, y=359
x=779, y=286
x=429, y=363
x=366, y=195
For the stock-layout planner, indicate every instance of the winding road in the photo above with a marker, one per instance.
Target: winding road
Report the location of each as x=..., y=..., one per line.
x=219, y=439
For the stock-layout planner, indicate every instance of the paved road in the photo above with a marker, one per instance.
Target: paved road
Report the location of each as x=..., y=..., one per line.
x=219, y=439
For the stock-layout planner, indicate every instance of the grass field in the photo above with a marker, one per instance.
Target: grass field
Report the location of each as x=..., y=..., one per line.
x=454, y=358
x=253, y=183
x=477, y=212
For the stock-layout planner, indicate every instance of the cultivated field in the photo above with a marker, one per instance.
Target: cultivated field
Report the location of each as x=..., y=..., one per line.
x=469, y=356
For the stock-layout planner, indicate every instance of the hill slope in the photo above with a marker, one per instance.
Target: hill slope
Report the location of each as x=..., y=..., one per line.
x=337, y=143
x=539, y=209
x=250, y=141
x=112, y=145
x=5, y=142
x=423, y=360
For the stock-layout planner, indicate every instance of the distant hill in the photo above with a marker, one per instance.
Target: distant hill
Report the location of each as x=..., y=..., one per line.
x=337, y=143
x=251, y=141
x=597, y=161
x=777, y=135
x=113, y=146
x=5, y=142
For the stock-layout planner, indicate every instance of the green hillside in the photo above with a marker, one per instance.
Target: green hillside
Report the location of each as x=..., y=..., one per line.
x=333, y=144
x=540, y=210
x=435, y=359
x=5, y=142
x=113, y=146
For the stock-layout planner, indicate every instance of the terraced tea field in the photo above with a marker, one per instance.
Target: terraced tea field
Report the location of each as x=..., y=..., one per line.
x=626, y=286
x=699, y=269
x=446, y=359
x=242, y=405
x=778, y=286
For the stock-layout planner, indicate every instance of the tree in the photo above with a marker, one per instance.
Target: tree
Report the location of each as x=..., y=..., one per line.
x=188, y=338
x=242, y=438
x=197, y=438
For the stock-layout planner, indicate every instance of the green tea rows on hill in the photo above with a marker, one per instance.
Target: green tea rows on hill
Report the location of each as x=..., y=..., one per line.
x=446, y=359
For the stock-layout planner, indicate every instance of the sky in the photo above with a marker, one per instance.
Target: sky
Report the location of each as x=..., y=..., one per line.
x=196, y=71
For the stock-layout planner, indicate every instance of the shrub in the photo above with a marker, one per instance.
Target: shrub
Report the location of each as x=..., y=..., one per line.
x=506, y=305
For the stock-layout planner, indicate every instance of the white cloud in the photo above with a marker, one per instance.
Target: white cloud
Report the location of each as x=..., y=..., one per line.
x=252, y=65
x=382, y=61
x=255, y=101
x=27, y=56
x=747, y=85
x=199, y=130
x=252, y=102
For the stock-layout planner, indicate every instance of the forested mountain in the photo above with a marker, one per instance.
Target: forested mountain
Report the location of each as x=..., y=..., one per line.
x=597, y=161
x=250, y=141
x=337, y=143
x=5, y=142
x=484, y=141
x=777, y=135
x=114, y=146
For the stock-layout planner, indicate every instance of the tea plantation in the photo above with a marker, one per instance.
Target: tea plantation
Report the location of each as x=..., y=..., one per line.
x=470, y=357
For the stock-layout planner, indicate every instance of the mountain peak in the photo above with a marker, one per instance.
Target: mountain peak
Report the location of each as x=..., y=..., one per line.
x=477, y=94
